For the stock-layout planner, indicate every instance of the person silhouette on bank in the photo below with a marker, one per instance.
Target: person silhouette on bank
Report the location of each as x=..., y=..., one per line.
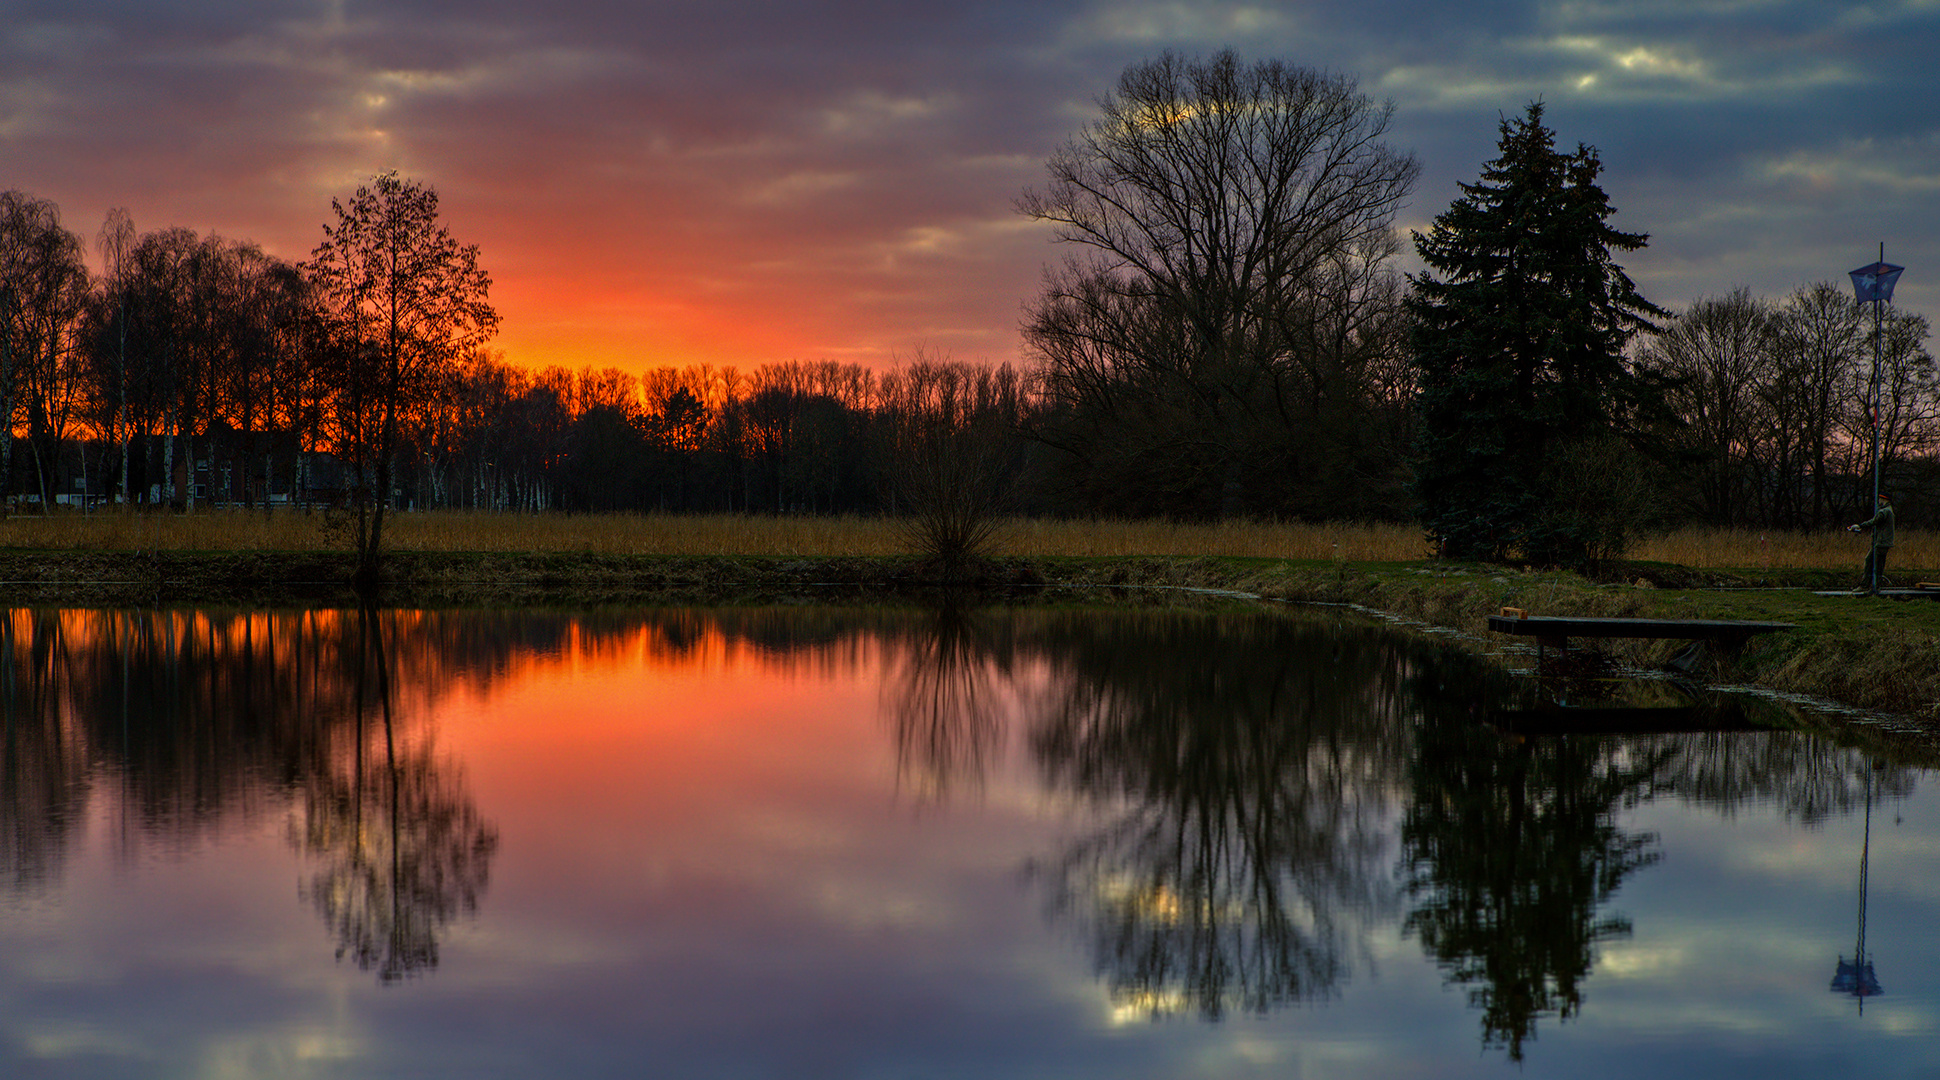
x=1881, y=526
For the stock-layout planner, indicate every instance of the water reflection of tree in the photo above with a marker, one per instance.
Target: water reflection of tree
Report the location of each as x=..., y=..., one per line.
x=1246, y=768
x=1807, y=779
x=1512, y=851
x=193, y=721
x=946, y=695
x=43, y=775
x=400, y=849
x=1232, y=873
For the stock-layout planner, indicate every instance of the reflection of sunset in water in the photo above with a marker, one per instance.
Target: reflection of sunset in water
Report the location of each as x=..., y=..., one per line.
x=775, y=841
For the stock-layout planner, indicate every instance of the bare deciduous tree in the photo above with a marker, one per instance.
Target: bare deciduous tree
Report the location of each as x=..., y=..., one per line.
x=1226, y=211
x=1715, y=357
x=1776, y=404
x=408, y=302
x=44, y=288
x=115, y=242
x=1820, y=340
x=951, y=456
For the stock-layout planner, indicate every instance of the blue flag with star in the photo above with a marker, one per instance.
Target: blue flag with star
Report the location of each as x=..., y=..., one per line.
x=1875, y=282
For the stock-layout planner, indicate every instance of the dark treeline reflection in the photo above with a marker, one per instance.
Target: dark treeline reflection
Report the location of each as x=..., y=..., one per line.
x=1512, y=855
x=1272, y=787
x=43, y=775
x=1806, y=779
x=192, y=722
x=1262, y=790
x=1248, y=769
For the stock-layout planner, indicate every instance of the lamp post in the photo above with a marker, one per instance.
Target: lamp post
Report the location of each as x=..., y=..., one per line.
x=1874, y=284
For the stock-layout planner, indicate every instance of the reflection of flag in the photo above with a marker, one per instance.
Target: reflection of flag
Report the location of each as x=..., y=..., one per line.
x=1875, y=282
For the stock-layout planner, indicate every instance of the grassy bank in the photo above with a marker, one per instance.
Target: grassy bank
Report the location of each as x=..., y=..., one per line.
x=1871, y=653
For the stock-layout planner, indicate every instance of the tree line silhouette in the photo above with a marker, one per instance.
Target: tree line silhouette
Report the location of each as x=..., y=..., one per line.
x=199, y=369
x=1232, y=339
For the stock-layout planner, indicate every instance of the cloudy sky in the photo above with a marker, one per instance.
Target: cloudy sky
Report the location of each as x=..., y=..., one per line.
x=739, y=181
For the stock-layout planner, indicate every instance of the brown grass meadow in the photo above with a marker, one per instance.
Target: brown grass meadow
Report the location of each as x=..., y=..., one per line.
x=738, y=535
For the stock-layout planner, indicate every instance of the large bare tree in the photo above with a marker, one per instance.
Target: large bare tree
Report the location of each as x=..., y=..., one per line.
x=115, y=243
x=1229, y=217
x=1717, y=359
x=408, y=302
x=43, y=293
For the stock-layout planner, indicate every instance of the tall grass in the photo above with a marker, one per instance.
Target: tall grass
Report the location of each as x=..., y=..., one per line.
x=618, y=534
x=1375, y=543
x=1754, y=549
x=725, y=534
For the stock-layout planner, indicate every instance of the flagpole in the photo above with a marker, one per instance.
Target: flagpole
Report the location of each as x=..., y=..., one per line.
x=1875, y=283
x=1877, y=302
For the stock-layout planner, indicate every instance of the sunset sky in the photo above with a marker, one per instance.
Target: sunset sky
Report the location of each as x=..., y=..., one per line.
x=739, y=182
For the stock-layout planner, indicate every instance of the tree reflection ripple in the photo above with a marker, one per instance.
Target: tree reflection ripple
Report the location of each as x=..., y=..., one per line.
x=1255, y=799
x=188, y=723
x=1271, y=790
x=1246, y=770
x=399, y=848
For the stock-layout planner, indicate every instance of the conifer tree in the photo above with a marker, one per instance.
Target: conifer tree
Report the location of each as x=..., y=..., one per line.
x=1518, y=347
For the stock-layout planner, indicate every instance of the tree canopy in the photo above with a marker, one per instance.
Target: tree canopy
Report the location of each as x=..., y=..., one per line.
x=43, y=288
x=406, y=302
x=1234, y=222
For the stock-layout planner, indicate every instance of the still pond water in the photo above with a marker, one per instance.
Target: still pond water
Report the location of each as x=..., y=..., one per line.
x=816, y=842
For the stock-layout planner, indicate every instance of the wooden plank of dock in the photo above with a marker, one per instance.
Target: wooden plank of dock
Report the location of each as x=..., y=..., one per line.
x=1554, y=631
x=1551, y=627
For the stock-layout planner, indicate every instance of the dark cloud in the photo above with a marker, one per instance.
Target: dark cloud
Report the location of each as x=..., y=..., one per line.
x=757, y=180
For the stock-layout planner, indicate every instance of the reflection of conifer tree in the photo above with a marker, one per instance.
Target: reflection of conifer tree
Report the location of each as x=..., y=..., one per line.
x=1512, y=851
x=1247, y=765
x=946, y=699
x=402, y=851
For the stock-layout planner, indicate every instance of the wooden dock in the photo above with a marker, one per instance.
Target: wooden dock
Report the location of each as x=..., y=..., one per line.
x=1556, y=630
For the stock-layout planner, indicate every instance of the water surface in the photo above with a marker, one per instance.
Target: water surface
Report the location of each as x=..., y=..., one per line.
x=827, y=843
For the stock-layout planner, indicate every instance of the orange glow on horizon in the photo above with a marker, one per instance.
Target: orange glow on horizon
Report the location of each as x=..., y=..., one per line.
x=563, y=324
x=627, y=702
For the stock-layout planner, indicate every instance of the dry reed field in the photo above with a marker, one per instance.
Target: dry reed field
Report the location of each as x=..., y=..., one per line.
x=682, y=535
x=1753, y=549
x=1360, y=543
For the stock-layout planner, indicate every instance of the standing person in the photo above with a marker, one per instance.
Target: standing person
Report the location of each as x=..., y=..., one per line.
x=1881, y=526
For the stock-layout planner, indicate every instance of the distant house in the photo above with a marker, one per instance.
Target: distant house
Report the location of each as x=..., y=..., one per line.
x=222, y=467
